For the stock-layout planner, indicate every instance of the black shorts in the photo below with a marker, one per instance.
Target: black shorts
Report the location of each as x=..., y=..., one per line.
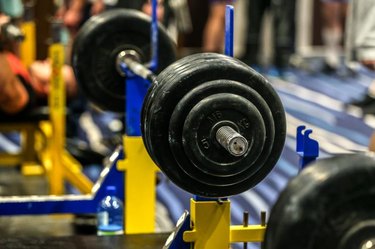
x=334, y=1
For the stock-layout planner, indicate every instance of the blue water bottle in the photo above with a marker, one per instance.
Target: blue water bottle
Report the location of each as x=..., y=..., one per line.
x=110, y=214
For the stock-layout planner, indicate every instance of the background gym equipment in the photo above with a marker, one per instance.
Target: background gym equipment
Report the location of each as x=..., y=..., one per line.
x=142, y=166
x=28, y=124
x=329, y=205
x=63, y=165
x=56, y=162
x=97, y=49
x=70, y=204
x=43, y=129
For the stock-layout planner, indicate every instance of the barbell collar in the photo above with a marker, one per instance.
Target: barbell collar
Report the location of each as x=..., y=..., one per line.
x=130, y=59
x=232, y=141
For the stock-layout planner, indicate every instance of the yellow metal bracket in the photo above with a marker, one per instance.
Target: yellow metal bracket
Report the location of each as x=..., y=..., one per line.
x=140, y=187
x=56, y=104
x=27, y=157
x=60, y=164
x=211, y=229
x=210, y=222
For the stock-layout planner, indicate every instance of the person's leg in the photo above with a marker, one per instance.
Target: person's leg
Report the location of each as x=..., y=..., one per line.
x=360, y=47
x=256, y=9
x=371, y=145
x=284, y=31
x=332, y=31
x=213, y=33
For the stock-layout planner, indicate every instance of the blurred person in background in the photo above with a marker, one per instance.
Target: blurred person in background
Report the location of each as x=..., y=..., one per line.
x=360, y=49
x=283, y=42
x=333, y=14
x=15, y=89
x=75, y=12
x=360, y=46
x=22, y=88
x=208, y=26
x=360, y=33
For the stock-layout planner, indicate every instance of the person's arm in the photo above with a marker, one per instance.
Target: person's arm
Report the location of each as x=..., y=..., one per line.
x=74, y=14
x=97, y=7
x=147, y=8
x=213, y=37
x=13, y=95
x=40, y=72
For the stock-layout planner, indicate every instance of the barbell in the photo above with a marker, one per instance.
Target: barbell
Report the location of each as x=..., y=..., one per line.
x=211, y=123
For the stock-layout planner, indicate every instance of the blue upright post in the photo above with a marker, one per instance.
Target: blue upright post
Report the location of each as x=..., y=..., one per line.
x=229, y=30
x=137, y=89
x=137, y=86
x=154, y=36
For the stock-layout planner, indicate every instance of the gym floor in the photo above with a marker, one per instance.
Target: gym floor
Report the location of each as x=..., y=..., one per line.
x=13, y=183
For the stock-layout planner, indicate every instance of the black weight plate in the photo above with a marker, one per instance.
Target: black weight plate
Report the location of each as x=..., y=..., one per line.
x=216, y=157
x=183, y=77
x=150, y=95
x=330, y=205
x=96, y=47
x=205, y=153
x=237, y=172
x=199, y=137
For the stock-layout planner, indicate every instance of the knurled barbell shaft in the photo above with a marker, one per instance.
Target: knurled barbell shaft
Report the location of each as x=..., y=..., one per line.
x=139, y=69
x=232, y=141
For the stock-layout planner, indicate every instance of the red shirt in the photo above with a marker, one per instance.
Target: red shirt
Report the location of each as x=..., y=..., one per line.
x=17, y=67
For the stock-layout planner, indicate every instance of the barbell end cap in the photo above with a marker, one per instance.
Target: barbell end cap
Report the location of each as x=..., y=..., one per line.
x=232, y=141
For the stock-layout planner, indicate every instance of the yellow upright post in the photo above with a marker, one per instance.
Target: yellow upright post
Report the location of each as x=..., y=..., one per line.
x=30, y=164
x=57, y=115
x=73, y=173
x=59, y=163
x=140, y=187
x=210, y=224
x=28, y=46
x=211, y=229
